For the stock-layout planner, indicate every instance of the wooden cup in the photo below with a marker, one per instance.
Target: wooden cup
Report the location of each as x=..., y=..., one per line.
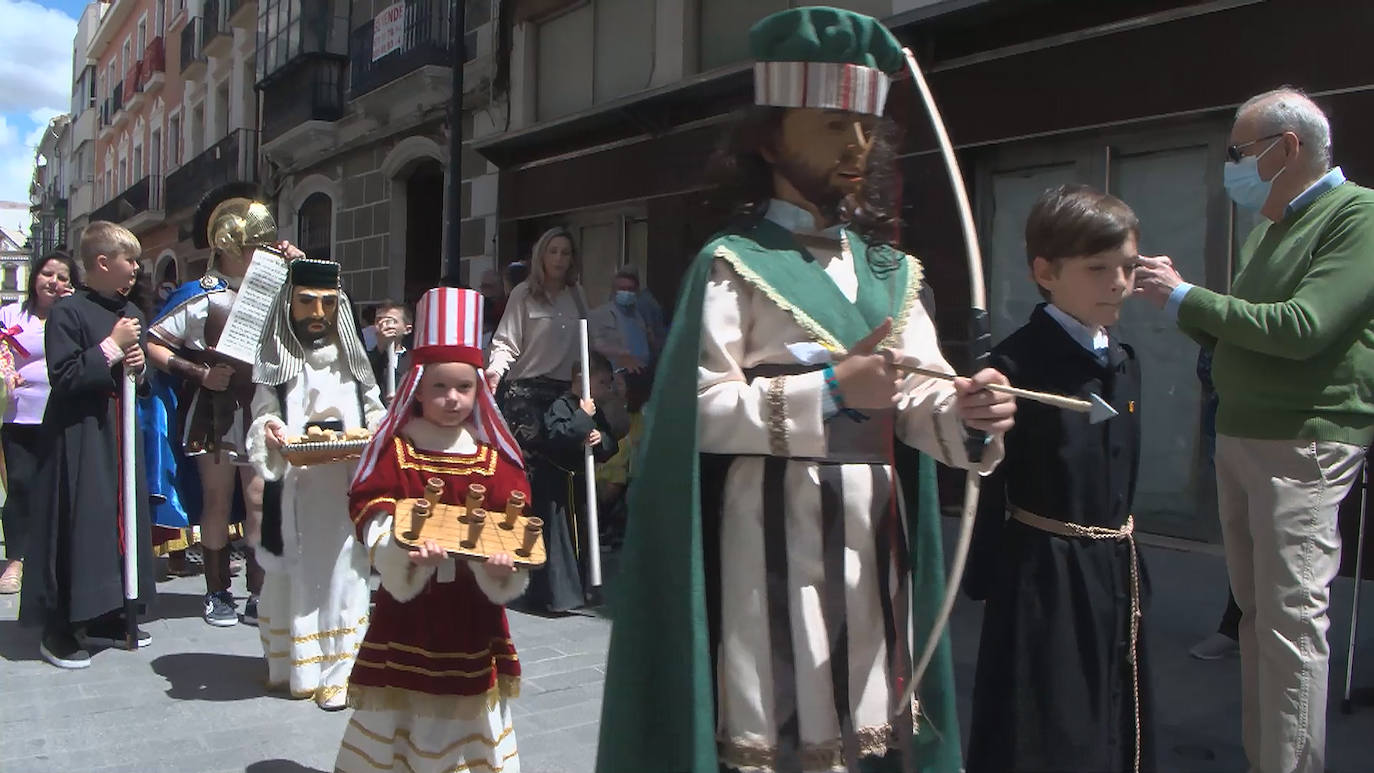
x=418, y=513
x=476, y=520
x=533, y=528
x=434, y=489
x=515, y=507
x=477, y=496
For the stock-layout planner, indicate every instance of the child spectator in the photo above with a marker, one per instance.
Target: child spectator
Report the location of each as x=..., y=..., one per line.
x=558, y=477
x=92, y=337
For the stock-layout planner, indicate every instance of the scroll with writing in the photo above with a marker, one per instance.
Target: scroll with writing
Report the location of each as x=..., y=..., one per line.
x=253, y=306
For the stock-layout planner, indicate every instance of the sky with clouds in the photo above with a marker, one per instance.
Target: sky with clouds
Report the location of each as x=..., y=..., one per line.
x=35, y=85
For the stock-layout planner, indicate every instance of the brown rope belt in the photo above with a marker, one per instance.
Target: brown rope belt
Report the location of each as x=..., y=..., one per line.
x=1127, y=533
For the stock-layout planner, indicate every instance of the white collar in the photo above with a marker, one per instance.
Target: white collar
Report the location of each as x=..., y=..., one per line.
x=797, y=220
x=1095, y=341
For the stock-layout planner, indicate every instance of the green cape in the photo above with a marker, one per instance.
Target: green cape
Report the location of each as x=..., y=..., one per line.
x=658, y=714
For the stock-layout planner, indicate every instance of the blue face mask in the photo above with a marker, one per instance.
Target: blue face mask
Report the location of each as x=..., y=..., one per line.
x=625, y=298
x=1243, y=183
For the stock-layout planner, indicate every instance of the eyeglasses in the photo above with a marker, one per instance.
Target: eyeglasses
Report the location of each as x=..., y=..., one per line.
x=1233, y=152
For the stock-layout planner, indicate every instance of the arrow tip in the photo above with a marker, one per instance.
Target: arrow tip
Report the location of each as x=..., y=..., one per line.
x=1101, y=410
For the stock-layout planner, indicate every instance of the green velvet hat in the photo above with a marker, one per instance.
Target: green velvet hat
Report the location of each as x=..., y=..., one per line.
x=826, y=58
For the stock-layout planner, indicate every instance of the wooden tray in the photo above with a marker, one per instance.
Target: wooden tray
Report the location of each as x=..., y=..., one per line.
x=449, y=526
x=323, y=452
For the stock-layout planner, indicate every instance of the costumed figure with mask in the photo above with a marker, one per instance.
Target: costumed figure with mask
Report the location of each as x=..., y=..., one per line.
x=312, y=372
x=201, y=400
x=432, y=684
x=781, y=557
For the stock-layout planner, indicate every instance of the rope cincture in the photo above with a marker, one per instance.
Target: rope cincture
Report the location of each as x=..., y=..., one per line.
x=1100, y=533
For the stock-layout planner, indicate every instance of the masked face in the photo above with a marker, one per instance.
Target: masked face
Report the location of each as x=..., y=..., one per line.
x=1243, y=182
x=823, y=154
x=314, y=313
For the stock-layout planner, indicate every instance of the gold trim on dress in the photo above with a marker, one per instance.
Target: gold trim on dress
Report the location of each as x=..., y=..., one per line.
x=370, y=698
x=404, y=734
x=777, y=416
x=393, y=665
x=399, y=647
x=474, y=765
x=325, y=658
x=486, y=465
x=915, y=275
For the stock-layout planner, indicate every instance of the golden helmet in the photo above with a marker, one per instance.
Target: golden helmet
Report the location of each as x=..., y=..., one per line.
x=233, y=217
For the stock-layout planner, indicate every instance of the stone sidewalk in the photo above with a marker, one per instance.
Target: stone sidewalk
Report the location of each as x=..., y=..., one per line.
x=193, y=700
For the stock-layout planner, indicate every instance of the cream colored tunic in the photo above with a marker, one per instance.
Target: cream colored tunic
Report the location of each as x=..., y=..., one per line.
x=742, y=329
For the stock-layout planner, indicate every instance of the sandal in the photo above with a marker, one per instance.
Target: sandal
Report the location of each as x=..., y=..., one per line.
x=12, y=578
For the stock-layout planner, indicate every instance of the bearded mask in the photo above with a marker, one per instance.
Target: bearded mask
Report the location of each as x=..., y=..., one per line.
x=314, y=300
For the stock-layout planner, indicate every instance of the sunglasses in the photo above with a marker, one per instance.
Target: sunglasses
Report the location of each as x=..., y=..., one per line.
x=1233, y=152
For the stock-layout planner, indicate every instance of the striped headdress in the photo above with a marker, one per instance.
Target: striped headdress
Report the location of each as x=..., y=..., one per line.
x=448, y=328
x=825, y=58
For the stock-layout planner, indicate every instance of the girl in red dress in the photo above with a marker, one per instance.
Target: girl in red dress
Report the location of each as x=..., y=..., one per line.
x=433, y=680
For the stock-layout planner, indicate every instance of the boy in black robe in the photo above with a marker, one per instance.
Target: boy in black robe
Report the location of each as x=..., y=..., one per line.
x=74, y=587
x=1061, y=685
x=558, y=489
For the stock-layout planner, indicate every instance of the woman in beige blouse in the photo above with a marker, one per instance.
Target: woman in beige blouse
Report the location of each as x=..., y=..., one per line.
x=535, y=344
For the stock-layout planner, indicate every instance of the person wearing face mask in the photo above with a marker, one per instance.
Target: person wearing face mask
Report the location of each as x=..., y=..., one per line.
x=623, y=329
x=1292, y=357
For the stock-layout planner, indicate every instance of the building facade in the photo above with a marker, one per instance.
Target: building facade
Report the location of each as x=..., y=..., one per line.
x=14, y=266
x=48, y=189
x=355, y=134
x=1126, y=96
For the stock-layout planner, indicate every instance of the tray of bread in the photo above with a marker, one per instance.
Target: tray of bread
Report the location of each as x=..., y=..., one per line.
x=324, y=446
x=469, y=530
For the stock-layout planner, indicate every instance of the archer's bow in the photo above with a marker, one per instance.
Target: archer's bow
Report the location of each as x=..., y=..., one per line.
x=979, y=344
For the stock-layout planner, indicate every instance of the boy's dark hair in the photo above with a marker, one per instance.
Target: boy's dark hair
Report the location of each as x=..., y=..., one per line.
x=388, y=304
x=1075, y=221
x=599, y=365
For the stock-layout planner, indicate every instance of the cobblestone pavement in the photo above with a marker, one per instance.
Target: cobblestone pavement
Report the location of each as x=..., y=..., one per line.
x=193, y=700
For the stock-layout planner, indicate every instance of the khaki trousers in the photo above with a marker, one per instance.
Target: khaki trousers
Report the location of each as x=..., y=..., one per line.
x=1277, y=501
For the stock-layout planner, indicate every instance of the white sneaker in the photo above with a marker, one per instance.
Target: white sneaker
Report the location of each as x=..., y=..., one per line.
x=1215, y=647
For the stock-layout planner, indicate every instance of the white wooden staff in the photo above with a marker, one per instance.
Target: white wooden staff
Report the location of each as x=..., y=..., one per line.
x=593, y=529
x=128, y=431
x=1346, y=705
x=391, y=371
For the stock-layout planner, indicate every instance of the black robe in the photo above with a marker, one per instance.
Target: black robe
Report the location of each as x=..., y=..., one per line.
x=558, y=491
x=1053, y=691
x=75, y=567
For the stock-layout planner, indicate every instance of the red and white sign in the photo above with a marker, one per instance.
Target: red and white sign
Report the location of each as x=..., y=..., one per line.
x=387, y=30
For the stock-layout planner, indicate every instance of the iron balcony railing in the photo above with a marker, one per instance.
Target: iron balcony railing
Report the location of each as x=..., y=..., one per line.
x=192, y=50
x=312, y=91
x=424, y=41
x=140, y=197
x=154, y=62
x=232, y=159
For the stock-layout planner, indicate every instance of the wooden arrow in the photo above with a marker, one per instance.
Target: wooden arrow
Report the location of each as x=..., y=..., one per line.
x=1097, y=409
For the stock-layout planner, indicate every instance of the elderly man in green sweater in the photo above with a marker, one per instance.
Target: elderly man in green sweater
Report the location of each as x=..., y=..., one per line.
x=1293, y=368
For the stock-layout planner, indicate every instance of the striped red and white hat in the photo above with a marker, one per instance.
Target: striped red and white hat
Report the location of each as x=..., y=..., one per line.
x=448, y=328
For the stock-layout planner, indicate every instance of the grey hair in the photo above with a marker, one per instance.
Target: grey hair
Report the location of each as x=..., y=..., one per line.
x=1288, y=109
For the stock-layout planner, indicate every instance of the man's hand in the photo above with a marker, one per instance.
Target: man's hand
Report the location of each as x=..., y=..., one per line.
x=125, y=332
x=500, y=565
x=291, y=251
x=133, y=359
x=429, y=554
x=217, y=378
x=276, y=435
x=867, y=379
x=1155, y=279
x=594, y=437
x=983, y=409
x=588, y=406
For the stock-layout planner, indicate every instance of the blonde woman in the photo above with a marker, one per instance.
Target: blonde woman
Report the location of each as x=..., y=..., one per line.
x=535, y=344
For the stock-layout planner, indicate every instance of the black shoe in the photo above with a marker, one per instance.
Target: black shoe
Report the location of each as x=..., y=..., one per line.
x=110, y=632
x=250, y=610
x=61, y=649
x=220, y=609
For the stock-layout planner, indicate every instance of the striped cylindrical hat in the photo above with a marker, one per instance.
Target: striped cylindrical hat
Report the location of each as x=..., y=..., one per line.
x=448, y=328
x=824, y=58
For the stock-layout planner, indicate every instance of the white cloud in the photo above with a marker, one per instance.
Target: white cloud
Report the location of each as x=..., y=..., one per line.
x=35, y=57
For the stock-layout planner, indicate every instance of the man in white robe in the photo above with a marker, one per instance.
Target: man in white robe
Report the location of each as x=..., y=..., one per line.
x=313, y=372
